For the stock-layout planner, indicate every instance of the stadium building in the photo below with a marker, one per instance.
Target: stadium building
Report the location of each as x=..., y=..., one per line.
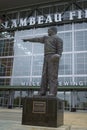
x=21, y=63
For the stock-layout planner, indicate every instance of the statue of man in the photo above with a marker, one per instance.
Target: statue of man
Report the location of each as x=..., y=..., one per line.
x=53, y=47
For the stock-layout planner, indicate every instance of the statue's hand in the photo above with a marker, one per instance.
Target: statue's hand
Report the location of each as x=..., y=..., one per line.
x=55, y=57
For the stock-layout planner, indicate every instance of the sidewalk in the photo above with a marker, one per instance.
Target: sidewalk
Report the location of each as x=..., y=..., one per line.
x=77, y=120
x=10, y=119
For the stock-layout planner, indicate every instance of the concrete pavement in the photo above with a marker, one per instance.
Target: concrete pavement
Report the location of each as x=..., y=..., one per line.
x=10, y=119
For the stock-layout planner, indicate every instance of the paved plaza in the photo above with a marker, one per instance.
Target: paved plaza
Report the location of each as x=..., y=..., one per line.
x=10, y=119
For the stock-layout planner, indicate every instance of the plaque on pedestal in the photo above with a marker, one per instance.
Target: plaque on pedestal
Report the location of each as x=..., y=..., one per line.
x=42, y=111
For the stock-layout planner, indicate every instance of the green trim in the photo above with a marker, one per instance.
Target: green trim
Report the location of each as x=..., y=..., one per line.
x=36, y=88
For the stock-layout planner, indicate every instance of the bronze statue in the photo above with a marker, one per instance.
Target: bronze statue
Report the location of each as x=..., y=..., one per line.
x=53, y=47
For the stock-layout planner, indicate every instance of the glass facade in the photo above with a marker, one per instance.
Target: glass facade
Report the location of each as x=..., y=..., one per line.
x=21, y=63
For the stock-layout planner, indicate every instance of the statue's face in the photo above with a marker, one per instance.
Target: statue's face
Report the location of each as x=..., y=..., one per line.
x=50, y=32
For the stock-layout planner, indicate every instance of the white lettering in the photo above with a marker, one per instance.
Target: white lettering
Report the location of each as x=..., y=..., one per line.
x=5, y=25
x=49, y=19
x=23, y=22
x=74, y=83
x=32, y=21
x=57, y=17
x=81, y=83
x=26, y=84
x=85, y=13
x=72, y=14
x=79, y=14
x=66, y=83
x=14, y=23
x=60, y=83
x=23, y=83
x=40, y=19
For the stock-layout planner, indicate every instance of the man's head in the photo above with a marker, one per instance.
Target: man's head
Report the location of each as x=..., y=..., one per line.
x=52, y=31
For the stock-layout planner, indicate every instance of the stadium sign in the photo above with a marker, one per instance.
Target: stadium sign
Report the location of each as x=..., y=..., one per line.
x=60, y=83
x=46, y=19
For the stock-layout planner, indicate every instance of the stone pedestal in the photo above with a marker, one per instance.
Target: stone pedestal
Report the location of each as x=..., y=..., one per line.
x=42, y=111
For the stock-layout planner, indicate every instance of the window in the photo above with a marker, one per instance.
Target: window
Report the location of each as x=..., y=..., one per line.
x=65, y=67
x=67, y=41
x=80, y=40
x=80, y=63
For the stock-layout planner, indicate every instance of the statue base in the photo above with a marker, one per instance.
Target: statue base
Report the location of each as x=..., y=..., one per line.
x=42, y=111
